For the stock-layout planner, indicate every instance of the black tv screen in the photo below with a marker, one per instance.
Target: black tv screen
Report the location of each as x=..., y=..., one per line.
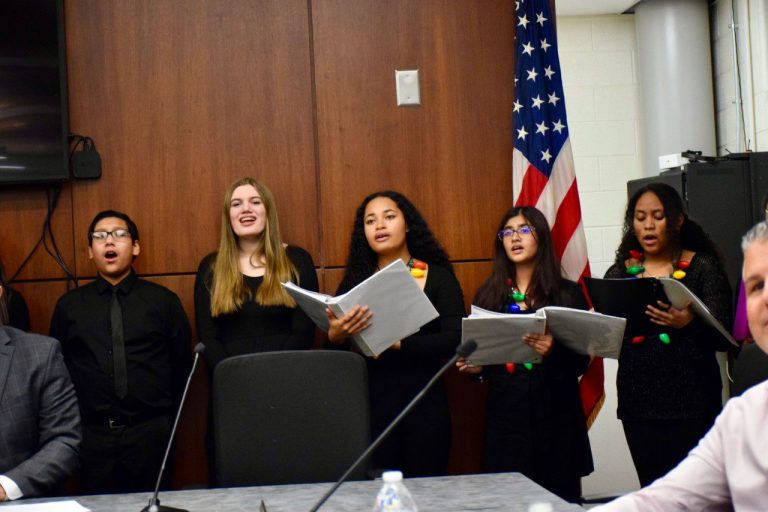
x=33, y=101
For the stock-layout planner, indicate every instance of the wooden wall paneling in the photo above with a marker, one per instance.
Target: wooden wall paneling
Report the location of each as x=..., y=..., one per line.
x=22, y=214
x=466, y=397
x=183, y=97
x=452, y=154
x=331, y=280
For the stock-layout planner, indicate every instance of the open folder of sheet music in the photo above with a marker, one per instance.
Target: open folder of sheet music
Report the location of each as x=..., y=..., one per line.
x=499, y=335
x=399, y=307
x=630, y=297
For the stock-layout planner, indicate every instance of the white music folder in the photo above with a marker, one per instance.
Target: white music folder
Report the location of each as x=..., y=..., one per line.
x=586, y=332
x=400, y=308
x=499, y=336
x=679, y=295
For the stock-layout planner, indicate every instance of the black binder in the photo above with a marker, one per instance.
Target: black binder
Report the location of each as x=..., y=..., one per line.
x=628, y=298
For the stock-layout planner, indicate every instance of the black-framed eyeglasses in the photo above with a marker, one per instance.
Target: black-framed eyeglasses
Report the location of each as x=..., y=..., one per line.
x=118, y=235
x=524, y=230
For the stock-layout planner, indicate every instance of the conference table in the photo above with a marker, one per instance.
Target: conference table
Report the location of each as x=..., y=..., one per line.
x=510, y=492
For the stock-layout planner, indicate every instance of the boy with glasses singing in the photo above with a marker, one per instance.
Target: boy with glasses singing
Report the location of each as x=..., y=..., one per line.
x=126, y=342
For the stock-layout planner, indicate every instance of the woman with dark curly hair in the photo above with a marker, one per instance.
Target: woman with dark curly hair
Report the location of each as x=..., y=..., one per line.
x=669, y=388
x=389, y=227
x=535, y=420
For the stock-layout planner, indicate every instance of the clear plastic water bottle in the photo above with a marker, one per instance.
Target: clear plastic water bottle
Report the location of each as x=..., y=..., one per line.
x=393, y=496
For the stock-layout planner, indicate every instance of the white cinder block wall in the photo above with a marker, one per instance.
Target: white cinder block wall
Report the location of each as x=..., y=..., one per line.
x=752, y=42
x=598, y=60
x=597, y=57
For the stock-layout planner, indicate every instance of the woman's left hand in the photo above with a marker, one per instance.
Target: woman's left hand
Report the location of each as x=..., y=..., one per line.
x=666, y=315
x=542, y=343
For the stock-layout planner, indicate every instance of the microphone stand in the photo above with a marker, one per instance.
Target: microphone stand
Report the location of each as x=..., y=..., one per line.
x=154, y=503
x=463, y=350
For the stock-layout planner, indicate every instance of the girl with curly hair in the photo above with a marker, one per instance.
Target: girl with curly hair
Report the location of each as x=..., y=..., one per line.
x=387, y=227
x=669, y=387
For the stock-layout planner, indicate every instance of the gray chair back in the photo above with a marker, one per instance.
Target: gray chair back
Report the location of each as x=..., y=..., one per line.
x=751, y=368
x=289, y=417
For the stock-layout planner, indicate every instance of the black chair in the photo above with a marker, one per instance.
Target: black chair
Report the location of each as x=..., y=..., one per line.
x=751, y=368
x=289, y=417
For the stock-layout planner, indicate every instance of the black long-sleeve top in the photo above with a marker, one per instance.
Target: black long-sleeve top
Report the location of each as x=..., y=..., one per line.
x=397, y=375
x=157, y=346
x=18, y=312
x=253, y=328
x=681, y=380
x=535, y=418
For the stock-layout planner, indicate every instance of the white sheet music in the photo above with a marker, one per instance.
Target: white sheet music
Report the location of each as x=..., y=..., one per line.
x=53, y=506
x=679, y=295
x=586, y=332
x=499, y=335
x=398, y=305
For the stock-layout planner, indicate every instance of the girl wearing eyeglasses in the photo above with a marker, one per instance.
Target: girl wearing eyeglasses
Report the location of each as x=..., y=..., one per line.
x=389, y=227
x=535, y=420
x=668, y=384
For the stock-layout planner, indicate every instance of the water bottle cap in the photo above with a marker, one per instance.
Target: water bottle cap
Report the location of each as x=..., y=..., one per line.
x=392, y=476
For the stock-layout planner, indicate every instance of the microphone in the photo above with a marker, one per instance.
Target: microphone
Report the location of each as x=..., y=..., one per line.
x=463, y=350
x=154, y=503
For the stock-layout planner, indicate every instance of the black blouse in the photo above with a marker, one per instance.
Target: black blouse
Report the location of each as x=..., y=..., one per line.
x=253, y=328
x=397, y=375
x=679, y=380
x=18, y=312
x=536, y=422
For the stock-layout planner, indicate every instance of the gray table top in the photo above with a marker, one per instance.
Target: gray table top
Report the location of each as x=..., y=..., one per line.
x=503, y=491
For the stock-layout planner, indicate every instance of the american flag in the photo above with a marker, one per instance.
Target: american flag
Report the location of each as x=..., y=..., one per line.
x=542, y=162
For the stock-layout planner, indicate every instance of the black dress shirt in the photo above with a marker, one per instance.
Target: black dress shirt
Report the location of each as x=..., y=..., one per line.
x=157, y=346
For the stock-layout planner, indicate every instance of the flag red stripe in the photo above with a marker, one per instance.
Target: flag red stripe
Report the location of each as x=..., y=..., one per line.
x=533, y=185
x=591, y=389
x=567, y=220
x=552, y=189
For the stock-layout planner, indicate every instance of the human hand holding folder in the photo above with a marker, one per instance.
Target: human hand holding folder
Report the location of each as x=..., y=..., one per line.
x=399, y=304
x=666, y=315
x=356, y=320
x=541, y=342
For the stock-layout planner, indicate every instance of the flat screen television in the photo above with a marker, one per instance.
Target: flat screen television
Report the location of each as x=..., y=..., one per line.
x=34, y=125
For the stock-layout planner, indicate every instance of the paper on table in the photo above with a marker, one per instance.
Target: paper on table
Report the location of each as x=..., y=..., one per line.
x=53, y=506
x=679, y=295
x=398, y=305
x=586, y=332
x=499, y=336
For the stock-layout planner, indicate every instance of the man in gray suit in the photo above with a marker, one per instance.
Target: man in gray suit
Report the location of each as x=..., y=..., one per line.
x=39, y=417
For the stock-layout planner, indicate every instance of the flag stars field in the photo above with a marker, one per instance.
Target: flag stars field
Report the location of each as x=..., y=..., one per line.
x=543, y=173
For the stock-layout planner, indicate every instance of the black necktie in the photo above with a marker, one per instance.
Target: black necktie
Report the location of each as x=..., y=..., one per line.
x=118, y=346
